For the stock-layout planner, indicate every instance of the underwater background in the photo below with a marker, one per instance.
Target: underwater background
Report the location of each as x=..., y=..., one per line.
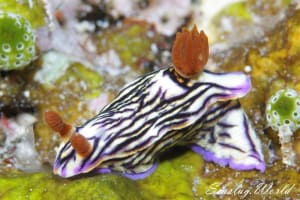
x=74, y=56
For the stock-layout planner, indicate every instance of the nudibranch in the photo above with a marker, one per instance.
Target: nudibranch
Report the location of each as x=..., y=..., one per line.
x=180, y=105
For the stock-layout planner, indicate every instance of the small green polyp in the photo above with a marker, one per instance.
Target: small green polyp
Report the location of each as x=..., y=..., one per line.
x=17, y=42
x=284, y=109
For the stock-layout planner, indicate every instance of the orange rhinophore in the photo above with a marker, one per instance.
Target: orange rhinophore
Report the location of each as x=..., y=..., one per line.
x=190, y=52
x=56, y=123
x=81, y=145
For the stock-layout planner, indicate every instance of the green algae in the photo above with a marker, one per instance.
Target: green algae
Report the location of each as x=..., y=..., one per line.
x=178, y=170
x=178, y=178
x=46, y=186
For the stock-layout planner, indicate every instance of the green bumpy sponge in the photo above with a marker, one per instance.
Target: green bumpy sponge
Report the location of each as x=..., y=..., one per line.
x=17, y=42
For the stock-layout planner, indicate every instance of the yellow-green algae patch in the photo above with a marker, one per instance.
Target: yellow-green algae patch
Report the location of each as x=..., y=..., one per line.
x=177, y=177
x=46, y=186
x=180, y=170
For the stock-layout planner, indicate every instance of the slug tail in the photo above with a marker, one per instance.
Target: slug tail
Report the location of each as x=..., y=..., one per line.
x=231, y=141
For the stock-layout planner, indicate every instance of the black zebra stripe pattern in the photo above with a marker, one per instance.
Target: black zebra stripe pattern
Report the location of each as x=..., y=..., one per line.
x=161, y=110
